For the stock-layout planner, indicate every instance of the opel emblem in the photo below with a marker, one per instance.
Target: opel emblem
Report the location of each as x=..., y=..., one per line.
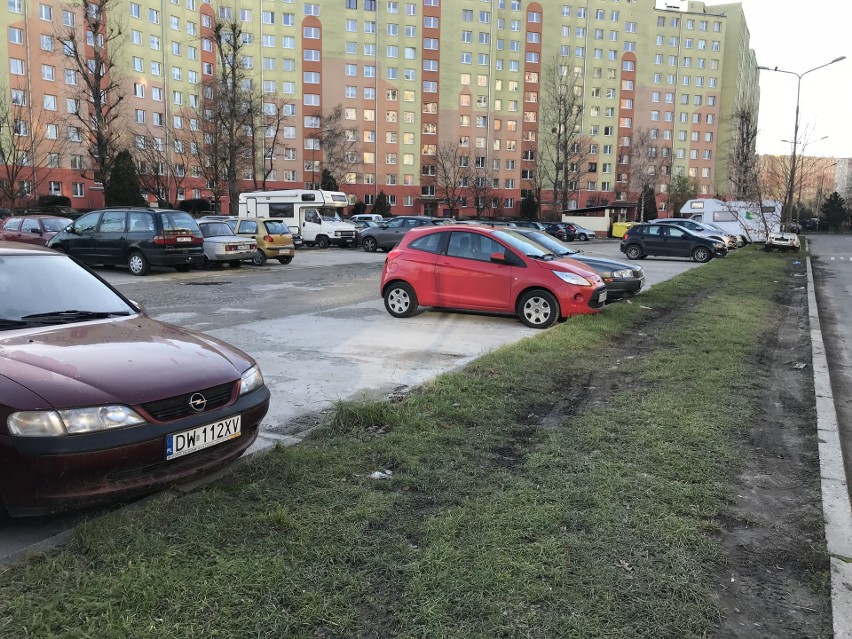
x=197, y=402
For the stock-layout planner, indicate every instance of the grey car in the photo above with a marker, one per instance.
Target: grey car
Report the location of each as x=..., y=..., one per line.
x=222, y=245
x=389, y=233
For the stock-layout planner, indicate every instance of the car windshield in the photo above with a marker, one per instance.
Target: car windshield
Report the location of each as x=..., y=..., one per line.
x=67, y=292
x=713, y=227
x=550, y=243
x=55, y=224
x=524, y=244
x=214, y=229
x=329, y=215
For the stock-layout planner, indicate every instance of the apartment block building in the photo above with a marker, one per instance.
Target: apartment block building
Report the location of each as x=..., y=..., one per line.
x=409, y=78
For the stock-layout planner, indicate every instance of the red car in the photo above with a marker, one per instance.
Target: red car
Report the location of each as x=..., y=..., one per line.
x=32, y=229
x=99, y=402
x=480, y=268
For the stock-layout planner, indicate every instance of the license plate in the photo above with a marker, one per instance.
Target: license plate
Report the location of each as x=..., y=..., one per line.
x=184, y=239
x=195, y=439
x=284, y=251
x=244, y=247
x=602, y=296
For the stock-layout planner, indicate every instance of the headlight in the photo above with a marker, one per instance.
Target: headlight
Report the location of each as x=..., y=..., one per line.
x=623, y=273
x=74, y=421
x=719, y=245
x=251, y=380
x=572, y=278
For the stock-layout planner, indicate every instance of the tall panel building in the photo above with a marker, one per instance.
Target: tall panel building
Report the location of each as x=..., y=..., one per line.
x=409, y=79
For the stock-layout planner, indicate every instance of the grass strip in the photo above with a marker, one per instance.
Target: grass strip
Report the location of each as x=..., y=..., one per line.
x=565, y=486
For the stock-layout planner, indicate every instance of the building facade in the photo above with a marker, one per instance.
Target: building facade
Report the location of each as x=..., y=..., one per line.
x=409, y=78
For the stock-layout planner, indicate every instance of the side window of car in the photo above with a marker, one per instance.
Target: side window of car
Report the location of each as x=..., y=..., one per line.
x=139, y=222
x=395, y=224
x=652, y=229
x=12, y=224
x=112, y=222
x=674, y=231
x=429, y=243
x=87, y=223
x=249, y=227
x=30, y=226
x=460, y=245
x=312, y=215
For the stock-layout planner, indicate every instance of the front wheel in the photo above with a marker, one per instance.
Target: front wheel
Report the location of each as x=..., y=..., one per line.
x=137, y=263
x=701, y=254
x=582, y=237
x=400, y=300
x=633, y=252
x=286, y=259
x=259, y=258
x=370, y=244
x=538, y=309
x=322, y=242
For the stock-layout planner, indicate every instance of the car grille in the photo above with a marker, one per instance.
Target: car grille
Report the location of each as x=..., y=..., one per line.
x=165, y=410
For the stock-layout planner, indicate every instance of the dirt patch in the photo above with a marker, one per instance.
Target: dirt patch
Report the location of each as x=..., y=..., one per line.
x=774, y=582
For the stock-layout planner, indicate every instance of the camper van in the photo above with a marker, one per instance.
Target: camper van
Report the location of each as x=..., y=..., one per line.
x=315, y=215
x=737, y=218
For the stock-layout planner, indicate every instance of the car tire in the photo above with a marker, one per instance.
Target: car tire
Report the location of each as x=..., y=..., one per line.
x=582, y=237
x=370, y=245
x=259, y=258
x=538, y=309
x=137, y=264
x=235, y=263
x=322, y=242
x=633, y=252
x=286, y=260
x=702, y=254
x=400, y=300
x=183, y=268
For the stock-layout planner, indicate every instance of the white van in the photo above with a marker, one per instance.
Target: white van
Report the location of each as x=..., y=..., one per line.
x=313, y=214
x=368, y=217
x=738, y=218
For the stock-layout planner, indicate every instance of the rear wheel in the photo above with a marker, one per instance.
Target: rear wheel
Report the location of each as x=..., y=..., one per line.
x=400, y=300
x=701, y=254
x=259, y=258
x=538, y=309
x=286, y=260
x=137, y=263
x=370, y=244
x=633, y=252
x=183, y=268
x=322, y=242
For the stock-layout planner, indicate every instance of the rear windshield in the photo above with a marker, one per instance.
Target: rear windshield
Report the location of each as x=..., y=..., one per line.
x=177, y=222
x=214, y=229
x=277, y=228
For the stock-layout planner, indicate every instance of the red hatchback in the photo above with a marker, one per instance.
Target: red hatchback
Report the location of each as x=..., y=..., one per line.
x=32, y=229
x=495, y=270
x=99, y=402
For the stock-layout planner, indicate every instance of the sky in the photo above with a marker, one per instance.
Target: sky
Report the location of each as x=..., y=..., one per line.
x=798, y=35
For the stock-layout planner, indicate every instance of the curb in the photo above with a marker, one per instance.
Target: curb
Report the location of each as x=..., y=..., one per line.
x=835, y=490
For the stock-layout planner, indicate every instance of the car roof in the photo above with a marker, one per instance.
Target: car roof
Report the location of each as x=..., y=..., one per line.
x=37, y=216
x=19, y=248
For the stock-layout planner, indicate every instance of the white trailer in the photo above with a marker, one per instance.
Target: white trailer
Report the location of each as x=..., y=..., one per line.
x=313, y=214
x=755, y=223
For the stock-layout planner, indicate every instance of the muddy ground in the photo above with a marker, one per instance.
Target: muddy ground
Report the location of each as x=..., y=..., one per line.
x=775, y=583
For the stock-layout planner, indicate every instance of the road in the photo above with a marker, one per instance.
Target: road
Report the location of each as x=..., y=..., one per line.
x=831, y=259
x=319, y=331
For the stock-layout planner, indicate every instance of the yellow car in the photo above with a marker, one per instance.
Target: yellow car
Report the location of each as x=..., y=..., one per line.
x=273, y=237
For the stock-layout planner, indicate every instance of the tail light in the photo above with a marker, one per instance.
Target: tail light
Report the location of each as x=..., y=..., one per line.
x=177, y=240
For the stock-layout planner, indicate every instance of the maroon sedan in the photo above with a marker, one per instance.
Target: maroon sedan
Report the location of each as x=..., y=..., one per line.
x=32, y=229
x=100, y=403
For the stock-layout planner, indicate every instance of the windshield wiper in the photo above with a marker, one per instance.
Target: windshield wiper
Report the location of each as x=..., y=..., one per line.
x=545, y=257
x=61, y=317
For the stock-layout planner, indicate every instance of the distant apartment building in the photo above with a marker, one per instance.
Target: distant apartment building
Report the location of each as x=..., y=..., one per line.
x=815, y=178
x=409, y=78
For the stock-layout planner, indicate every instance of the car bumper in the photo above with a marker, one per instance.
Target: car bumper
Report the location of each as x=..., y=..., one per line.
x=576, y=300
x=274, y=252
x=621, y=288
x=53, y=474
x=233, y=255
x=195, y=259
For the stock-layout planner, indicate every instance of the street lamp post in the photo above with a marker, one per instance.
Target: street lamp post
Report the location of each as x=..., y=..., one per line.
x=788, y=204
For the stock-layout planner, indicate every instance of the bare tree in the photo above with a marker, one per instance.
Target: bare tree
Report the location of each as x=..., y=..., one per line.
x=480, y=189
x=649, y=166
x=338, y=145
x=742, y=157
x=161, y=165
x=29, y=141
x=452, y=175
x=101, y=90
x=267, y=137
x=561, y=151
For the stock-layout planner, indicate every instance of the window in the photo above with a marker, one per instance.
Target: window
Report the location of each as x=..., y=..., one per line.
x=45, y=12
x=16, y=67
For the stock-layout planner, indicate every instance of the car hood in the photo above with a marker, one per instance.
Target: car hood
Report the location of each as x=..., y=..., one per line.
x=604, y=264
x=572, y=266
x=340, y=226
x=129, y=361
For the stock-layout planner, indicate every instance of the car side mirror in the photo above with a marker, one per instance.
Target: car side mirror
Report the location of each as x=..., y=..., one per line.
x=499, y=258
